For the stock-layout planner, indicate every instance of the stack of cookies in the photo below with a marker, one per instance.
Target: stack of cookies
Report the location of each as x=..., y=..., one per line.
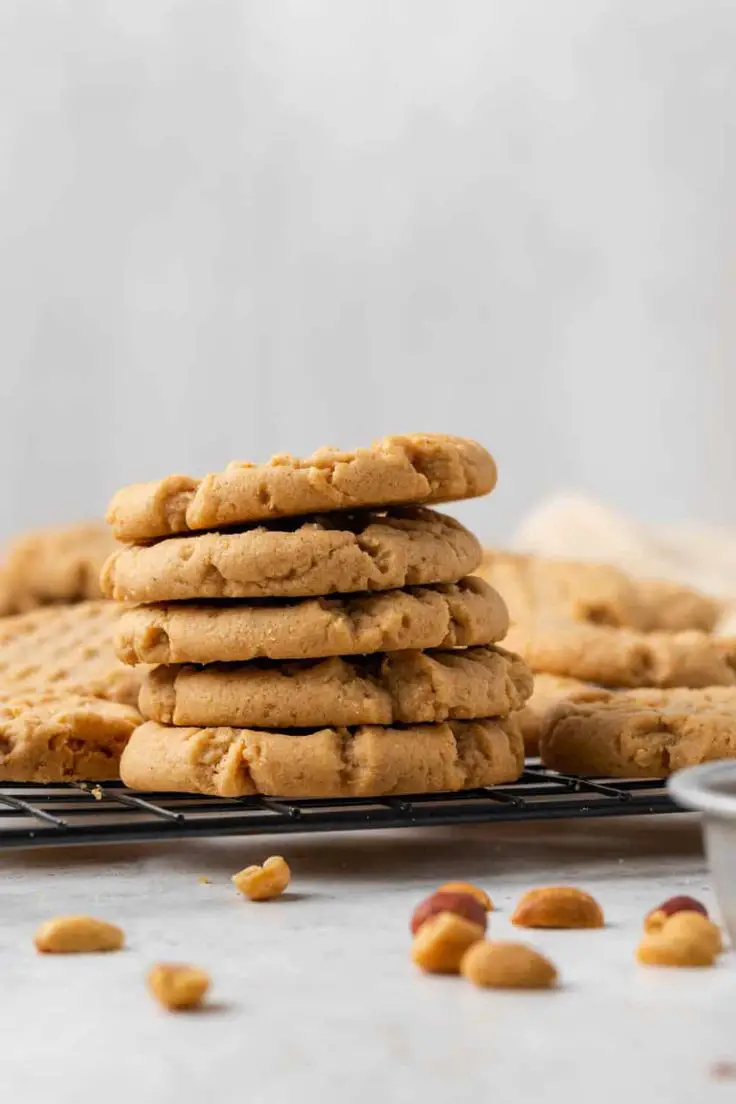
x=630, y=678
x=316, y=628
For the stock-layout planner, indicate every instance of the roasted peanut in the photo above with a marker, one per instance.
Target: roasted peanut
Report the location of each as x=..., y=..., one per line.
x=473, y=890
x=497, y=965
x=654, y=920
x=658, y=949
x=78, y=935
x=177, y=986
x=557, y=907
x=462, y=904
x=693, y=925
x=262, y=883
x=686, y=938
x=441, y=942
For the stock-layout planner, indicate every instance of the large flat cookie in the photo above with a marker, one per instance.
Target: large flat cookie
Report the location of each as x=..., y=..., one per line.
x=640, y=733
x=338, y=553
x=398, y=688
x=368, y=761
x=50, y=566
x=65, y=649
x=624, y=657
x=536, y=588
x=422, y=468
x=450, y=616
x=674, y=607
x=45, y=737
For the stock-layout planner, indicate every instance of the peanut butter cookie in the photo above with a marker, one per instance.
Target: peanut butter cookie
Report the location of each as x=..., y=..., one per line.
x=640, y=733
x=420, y=468
x=45, y=737
x=454, y=615
x=536, y=588
x=367, y=761
x=398, y=688
x=335, y=553
x=57, y=565
x=65, y=649
x=624, y=657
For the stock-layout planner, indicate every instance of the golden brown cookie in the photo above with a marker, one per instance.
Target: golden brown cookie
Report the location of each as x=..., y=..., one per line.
x=536, y=588
x=65, y=649
x=549, y=691
x=336, y=553
x=420, y=468
x=454, y=615
x=626, y=658
x=55, y=565
x=640, y=733
x=675, y=608
x=398, y=688
x=45, y=737
x=368, y=761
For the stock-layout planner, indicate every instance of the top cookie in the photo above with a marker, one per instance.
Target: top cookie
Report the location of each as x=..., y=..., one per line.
x=420, y=468
x=535, y=587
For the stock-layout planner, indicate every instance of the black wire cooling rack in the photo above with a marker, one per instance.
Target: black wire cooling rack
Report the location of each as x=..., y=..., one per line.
x=40, y=816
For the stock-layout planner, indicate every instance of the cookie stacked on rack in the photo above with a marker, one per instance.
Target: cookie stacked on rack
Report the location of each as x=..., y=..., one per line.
x=316, y=628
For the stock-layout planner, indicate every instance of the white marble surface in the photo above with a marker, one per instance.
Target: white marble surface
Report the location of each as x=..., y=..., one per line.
x=314, y=996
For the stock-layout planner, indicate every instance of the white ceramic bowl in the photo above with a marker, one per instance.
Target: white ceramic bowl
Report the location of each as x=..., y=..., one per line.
x=711, y=790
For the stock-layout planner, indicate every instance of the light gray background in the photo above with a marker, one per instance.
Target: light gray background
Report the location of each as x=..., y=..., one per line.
x=229, y=227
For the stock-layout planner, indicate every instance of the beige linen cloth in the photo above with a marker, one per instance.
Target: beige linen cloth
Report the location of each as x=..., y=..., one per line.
x=574, y=527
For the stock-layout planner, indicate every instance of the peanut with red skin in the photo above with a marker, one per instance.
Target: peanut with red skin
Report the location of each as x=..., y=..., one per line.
x=686, y=938
x=462, y=904
x=468, y=887
x=654, y=920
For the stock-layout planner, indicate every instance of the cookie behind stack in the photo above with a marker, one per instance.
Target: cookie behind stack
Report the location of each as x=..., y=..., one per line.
x=316, y=628
x=66, y=702
x=618, y=660
x=54, y=566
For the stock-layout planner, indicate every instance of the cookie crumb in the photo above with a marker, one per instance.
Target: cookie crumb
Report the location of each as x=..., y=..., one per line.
x=96, y=792
x=204, y=880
